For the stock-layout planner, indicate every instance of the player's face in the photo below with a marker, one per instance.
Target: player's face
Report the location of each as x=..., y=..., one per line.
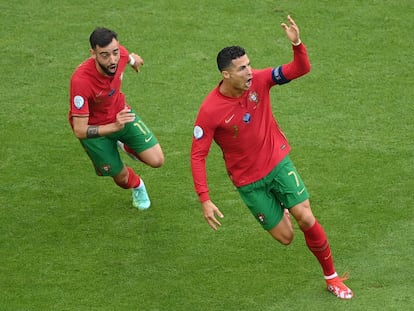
x=240, y=74
x=107, y=58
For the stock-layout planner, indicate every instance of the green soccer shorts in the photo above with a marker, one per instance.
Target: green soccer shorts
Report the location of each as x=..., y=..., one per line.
x=103, y=151
x=281, y=188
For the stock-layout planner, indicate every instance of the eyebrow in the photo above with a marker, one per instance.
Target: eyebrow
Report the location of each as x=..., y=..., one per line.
x=244, y=66
x=105, y=52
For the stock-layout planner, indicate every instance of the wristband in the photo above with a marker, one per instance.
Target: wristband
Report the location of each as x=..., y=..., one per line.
x=131, y=60
x=297, y=43
x=92, y=131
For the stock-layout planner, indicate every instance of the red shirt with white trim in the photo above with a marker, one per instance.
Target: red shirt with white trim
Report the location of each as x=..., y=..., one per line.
x=244, y=128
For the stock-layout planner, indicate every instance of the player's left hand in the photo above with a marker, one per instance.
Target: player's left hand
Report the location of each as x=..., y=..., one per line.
x=123, y=117
x=138, y=61
x=292, y=31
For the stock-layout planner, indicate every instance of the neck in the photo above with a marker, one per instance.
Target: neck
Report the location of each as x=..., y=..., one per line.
x=229, y=91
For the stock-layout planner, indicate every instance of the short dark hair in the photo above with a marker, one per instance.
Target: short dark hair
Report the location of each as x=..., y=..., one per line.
x=226, y=55
x=102, y=37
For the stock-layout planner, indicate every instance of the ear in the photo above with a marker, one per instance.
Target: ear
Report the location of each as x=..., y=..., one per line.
x=225, y=74
x=93, y=54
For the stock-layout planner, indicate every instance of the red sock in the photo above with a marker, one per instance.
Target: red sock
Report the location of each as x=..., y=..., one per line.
x=133, y=179
x=317, y=242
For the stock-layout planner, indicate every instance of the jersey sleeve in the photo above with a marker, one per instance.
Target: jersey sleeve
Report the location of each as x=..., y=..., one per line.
x=299, y=66
x=79, y=106
x=124, y=59
x=202, y=139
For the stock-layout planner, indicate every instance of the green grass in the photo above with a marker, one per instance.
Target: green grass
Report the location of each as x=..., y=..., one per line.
x=72, y=241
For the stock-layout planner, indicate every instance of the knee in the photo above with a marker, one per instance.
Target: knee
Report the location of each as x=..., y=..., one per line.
x=306, y=222
x=153, y=157
x=303, y=214
x=286, y=240
x=157, y=161
x=285, y=237
x=122, y=178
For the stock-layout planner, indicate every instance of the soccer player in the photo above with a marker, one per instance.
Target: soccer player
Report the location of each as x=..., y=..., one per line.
x=237, y=115
x=102, y=119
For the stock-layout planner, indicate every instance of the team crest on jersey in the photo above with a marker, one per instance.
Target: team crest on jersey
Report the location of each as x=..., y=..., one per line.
x=262, y=218
x=254, y=97
x=106, y=167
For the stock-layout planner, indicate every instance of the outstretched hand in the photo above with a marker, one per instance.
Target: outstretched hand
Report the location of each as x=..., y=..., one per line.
x=292, y=31
x=210, y=211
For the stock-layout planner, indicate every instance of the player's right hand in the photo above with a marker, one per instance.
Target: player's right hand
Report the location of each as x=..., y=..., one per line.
x=210, y=211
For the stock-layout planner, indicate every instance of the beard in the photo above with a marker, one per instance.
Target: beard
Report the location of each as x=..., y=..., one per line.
x=107, y=71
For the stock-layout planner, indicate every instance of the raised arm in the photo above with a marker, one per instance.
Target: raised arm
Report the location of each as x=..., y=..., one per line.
x=300, y=64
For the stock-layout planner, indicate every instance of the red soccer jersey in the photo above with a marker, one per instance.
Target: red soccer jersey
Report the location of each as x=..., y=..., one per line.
x=95, y=95
x=244, y=128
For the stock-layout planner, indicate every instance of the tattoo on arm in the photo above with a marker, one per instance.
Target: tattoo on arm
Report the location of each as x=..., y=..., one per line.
x=92, y=131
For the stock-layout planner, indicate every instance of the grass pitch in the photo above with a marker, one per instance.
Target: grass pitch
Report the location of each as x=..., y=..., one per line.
x=72, y=241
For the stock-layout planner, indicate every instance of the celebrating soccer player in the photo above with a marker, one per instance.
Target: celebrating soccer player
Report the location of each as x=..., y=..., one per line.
x=237, y=115
x=102, y=119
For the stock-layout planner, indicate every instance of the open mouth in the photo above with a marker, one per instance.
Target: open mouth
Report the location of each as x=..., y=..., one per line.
x=249, y=82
